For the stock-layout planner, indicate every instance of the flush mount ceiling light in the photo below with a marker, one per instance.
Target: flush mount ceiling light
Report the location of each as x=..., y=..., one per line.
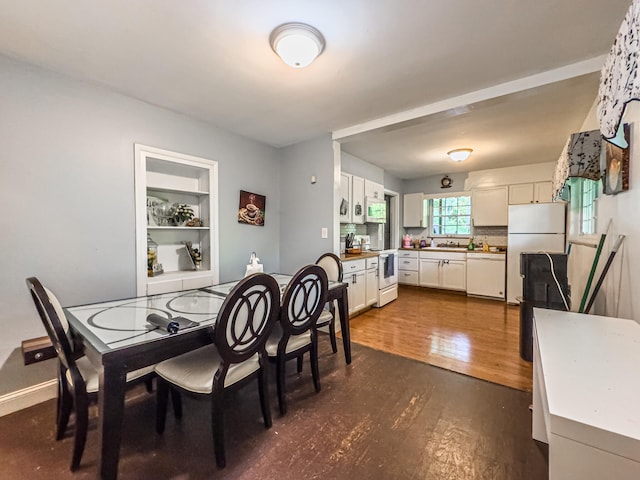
x=297, y=44
x=459, y=154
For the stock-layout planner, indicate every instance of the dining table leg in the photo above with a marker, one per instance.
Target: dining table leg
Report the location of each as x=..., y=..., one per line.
x=111, y=411
x=343, y=309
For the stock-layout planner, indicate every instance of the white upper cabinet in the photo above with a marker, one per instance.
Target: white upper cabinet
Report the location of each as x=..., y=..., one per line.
x=164, y=181
x=357, y=195
x=538, y=192
x=351, y=198
x=345, y=198
x=489, y=207
x=543, y=192
x=413, y=210
x=373, y=189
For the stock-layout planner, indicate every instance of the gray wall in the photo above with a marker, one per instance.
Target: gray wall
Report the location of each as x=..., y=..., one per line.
x=432, y=184
x=361, y=168
x=67, y=188
x=306, y=208
x=393, y=183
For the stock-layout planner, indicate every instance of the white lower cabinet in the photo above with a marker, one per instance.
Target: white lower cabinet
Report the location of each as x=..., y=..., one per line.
x=430, y=272
x=408, y=267
x=446, y=270
x=355, y=277
x=453, y=275
x=372, y=281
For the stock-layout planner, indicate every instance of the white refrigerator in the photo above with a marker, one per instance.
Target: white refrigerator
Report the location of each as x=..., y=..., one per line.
x=538, y=227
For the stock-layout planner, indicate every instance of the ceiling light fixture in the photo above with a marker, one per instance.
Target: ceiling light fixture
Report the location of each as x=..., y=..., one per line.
x=459, y=154
x=297, y=44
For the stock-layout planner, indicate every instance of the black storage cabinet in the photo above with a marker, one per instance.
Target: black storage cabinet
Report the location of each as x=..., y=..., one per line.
x=539, y=289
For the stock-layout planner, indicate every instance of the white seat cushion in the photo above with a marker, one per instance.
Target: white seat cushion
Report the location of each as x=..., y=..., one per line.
x=92, y=376
x=194, y=371
x=325, y=317
x=295, y=342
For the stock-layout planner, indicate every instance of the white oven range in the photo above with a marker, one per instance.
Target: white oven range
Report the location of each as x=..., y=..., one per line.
x=387, y=277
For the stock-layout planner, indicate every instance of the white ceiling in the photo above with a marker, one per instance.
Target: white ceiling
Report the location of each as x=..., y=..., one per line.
x=211, y=60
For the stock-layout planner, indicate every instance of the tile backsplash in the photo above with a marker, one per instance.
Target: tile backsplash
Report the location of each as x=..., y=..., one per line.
x=495, y=236
x=374, y=230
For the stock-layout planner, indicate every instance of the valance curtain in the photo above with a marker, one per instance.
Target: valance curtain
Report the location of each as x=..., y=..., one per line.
x=619, y=79
x=579, y=158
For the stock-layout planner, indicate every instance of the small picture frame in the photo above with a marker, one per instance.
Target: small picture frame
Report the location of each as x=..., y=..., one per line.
x=252, y=208
x=616, y=166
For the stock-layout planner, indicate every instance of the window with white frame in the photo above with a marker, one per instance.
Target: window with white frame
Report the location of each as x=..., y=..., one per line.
x=450, y=215
x=588, y=196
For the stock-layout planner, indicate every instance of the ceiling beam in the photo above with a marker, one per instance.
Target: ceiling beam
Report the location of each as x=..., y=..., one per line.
x=462, y=101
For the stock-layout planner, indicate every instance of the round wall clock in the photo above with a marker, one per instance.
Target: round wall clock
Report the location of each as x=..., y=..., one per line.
x=446, y=182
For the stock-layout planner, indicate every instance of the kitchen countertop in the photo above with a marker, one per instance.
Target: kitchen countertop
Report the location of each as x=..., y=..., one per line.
x=345, y=257
x=501, y=251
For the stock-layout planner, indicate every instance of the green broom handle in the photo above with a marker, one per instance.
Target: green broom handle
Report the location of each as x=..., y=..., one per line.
x=585, y=295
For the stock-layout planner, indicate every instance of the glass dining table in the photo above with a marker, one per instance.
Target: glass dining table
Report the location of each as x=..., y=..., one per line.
x=117, y=338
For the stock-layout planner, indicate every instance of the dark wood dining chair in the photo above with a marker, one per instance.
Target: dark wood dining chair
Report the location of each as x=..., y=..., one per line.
x=78, y=379
x=332, y=266
x=237, y=355
x=296, y=332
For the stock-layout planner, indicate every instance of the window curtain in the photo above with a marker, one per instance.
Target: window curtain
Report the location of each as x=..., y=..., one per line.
x=579, y=158
x=619, y=79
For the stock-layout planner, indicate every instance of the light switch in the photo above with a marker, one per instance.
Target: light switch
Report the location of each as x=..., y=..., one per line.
x=325, y=232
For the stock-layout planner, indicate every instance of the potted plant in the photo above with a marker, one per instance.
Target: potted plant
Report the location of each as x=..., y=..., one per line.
x=183, y=214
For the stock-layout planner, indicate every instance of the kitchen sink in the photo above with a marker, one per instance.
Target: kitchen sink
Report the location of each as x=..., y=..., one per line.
x=454, y=249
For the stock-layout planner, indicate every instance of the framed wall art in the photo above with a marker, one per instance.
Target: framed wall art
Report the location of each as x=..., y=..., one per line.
x=252, y=208
x=616, y=166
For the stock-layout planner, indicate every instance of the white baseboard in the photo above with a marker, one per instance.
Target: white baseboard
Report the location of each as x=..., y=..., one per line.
x=27, y=397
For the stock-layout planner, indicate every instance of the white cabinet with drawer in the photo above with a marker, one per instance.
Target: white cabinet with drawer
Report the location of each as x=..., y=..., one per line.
x=408, y=267
x=372, y=281
x=354, y=276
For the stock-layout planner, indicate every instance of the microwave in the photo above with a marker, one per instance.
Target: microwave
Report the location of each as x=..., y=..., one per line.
x=375, y=210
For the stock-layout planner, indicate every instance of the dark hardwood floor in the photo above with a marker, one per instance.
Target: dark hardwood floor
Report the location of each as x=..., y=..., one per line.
x=382, y=417
x=474, y=336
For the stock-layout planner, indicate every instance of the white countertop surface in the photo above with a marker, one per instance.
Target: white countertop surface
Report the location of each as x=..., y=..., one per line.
x=591, y=367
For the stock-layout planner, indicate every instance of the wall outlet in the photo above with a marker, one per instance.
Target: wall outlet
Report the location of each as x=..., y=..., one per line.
x=325, y=232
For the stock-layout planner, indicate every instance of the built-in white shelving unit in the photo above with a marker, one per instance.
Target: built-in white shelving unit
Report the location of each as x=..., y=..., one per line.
x=164, y=176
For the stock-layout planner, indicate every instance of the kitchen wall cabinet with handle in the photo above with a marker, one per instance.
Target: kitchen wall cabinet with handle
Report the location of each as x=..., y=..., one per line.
x=357, y=195
x=354, y=275
x=413, y=211
x=352, y=198
x=489, y=207
x=446, y=270
x=408, y=267
x=345, y=198
x=538, y=192
x=373, y=189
